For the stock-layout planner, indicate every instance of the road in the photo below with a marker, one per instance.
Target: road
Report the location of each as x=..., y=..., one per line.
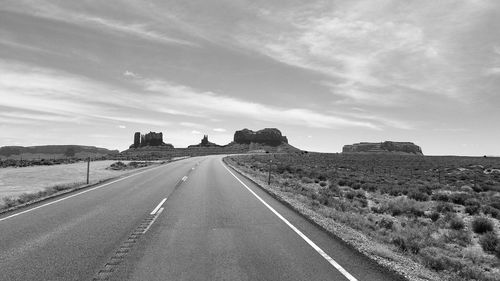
x=192, y=219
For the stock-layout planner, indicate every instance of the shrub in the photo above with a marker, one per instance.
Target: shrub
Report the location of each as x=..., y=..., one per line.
x=418, y=195
x=433, y=259
x=386, y=223
x=356, y=185
x=472, y=202
x=459, y=198
x=489, y=242
x=9, y=202
x=495, y=204
x=334, y=189
x=369, y=187
x=444, y=207
x=472, y=209
x=457, y=223
x=322, y=184
x=342, y=183
x=307, y=180
x=482, y=225
x=26, y=197
x=434, y=216
x=495, y=213
x=400, y=242
x=443, y=197
x=350, y=194
x=459, y=237
x=411, y=240
x=497, y=251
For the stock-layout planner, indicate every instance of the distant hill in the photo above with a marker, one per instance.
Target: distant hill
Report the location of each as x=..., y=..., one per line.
x=53, y=151
x=383, y=147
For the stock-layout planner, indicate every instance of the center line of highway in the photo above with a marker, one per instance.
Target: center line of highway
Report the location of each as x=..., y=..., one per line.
x=158, y=207
x=153, y=220
x=302, y=235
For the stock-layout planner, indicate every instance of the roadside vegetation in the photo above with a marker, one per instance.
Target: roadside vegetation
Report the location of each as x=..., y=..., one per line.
x=441, y=212
x=29, y=184
x=131, y=165
x=28, y=197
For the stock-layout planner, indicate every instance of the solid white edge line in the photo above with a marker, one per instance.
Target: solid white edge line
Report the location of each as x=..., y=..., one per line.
x=79, y=193
x=153, y=220
x=158, y=207
x=302, y=235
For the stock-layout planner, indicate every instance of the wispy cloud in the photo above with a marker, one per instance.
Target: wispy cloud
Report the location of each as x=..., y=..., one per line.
x=57, y=92
x=141, y=30
x=370, y=52
x=190, y=125
x=219, y=130
x=62, y=97
x=493, y=71
x=209, y=104
x=144, y=29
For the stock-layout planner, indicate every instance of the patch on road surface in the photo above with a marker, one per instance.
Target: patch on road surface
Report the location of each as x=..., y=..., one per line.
x=115, y=260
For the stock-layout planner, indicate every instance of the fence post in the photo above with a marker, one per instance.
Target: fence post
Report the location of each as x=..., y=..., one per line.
x=88, y=169
x=269, y=176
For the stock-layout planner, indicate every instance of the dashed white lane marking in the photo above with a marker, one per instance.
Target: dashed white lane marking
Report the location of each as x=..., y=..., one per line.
x=153, y=220
x=158, y=207
x=74, y=195
x=302, y=235
x=184, y=178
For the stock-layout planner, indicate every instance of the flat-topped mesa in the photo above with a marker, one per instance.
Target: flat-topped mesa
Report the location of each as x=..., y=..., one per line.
x=268, y=136
x=149, y=139
x=204, y=143
x=383, y=147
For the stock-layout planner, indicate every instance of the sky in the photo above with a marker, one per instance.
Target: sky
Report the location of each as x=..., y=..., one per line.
x=326, y=73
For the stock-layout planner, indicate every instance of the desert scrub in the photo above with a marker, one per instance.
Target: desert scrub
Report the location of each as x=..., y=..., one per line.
x=424, y=207
x=489, y=242
x=456, y=223
x=482, y=225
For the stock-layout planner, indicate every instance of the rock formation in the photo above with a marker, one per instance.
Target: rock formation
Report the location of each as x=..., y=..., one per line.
x=205, y=143
x=149, y=139
x=268, y=136
x=383, y=147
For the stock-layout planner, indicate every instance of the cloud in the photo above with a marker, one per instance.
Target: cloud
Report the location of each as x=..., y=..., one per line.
x=122, y=127
x=220, y=130
x=190, y=124
x=130, y=74
x=209, y=104
x=141, y=30
x=493, y=71
x=196, y=132
x=62, y=97
x=377, y=54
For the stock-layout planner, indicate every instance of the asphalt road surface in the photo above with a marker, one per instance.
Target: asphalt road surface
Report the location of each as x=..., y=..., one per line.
x=193, y=219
